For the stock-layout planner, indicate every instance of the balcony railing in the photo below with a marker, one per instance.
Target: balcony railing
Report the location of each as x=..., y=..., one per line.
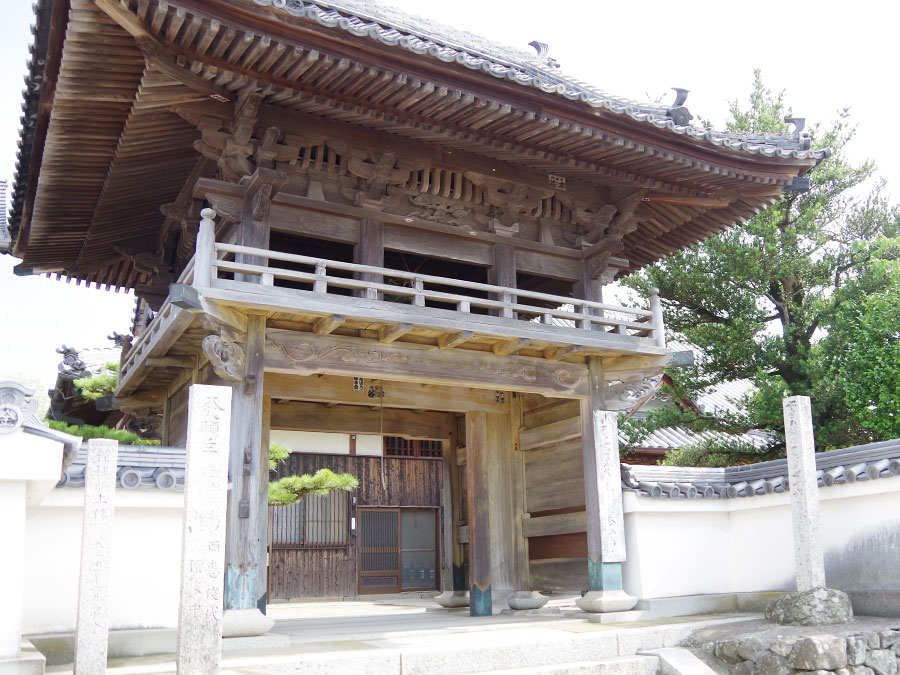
x=464, y=299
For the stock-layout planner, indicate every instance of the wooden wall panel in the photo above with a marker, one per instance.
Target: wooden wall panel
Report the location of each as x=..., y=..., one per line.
x=559, y=574
x=177, y=421
x=303, y=573
x=572, y=545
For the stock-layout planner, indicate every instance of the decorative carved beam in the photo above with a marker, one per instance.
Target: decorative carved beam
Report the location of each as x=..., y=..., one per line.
x=558, y=353
x=298, y=353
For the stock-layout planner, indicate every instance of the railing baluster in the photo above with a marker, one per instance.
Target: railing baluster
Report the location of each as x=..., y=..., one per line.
x=464, y=306
x=507, y=312
x=659, y=329
x=268, y=279
x=205, y=250
x=419, y=288
x=321, y=284
x=547, y=319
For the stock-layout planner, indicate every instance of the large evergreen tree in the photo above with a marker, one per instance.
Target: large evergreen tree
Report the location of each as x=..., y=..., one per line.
x=780, y=298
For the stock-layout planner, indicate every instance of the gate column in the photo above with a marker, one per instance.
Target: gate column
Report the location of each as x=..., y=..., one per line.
x=603, y=501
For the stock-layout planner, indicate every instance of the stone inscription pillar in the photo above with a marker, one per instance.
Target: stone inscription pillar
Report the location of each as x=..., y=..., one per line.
x=477, y=488
x=92, y=622
x=199, y=647
x=801, y=455
x=603, y=502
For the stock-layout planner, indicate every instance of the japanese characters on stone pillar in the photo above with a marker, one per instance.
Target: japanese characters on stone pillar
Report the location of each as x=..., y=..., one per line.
x=92, y=622
x=199, y=648
x=801, y=456
x=603, y=502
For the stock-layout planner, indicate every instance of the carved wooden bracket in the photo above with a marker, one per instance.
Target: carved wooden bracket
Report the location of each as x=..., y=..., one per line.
x=630, y=393
x=226, y=357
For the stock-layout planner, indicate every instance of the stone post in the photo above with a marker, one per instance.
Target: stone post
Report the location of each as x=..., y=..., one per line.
x=801, y=455
x=199, y=645
x=92, y=622
x=603, y=502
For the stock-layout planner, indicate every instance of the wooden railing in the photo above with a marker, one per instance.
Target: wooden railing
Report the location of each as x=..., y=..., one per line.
x=379, y=284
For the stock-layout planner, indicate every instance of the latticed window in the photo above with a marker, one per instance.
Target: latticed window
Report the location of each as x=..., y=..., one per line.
x=313, y=522
x=395, y=446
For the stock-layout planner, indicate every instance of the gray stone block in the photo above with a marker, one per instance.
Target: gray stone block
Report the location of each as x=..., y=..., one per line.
x=856, y=650
x=772, y=664
x=744, y=668
x=889, y=638
x=751, y=649
x=861, y=670
x=784, y=646
x=816, y=607
x=882, y=661
x=820, y=652
x=727, y=651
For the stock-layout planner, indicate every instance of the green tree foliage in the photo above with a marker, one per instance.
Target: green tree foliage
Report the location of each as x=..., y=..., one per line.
x=789, y=297
x=290, y=489
x=86, y=431
x=102, y=384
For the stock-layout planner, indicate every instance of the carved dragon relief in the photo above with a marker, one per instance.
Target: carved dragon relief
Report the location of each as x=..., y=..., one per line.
x=225, y=356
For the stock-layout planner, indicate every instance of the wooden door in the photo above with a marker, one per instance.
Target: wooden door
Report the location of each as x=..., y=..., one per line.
x=397, y=550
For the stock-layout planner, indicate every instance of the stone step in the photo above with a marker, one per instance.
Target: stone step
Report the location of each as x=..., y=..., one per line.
x=625, y=665
x=679, y=661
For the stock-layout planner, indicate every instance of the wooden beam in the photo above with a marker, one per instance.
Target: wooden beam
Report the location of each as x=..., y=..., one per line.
x=172, y=362
x=335, y=390
x=297, y=353
x=510, y=346
x=451, y=340
x=563, y=523
x=558, y=353
x=352, y=419
x=326, y=324
x=390, y=333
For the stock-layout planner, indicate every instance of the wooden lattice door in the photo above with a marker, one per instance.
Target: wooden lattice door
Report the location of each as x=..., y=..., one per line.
x=397, y=550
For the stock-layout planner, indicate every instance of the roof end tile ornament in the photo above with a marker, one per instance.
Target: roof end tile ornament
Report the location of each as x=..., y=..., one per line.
x=543, y=54
x=677, y=112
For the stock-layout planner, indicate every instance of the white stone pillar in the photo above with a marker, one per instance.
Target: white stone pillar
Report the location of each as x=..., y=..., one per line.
x=801, y=455
x=92, y=622
x=12, y=567
x=199, y=647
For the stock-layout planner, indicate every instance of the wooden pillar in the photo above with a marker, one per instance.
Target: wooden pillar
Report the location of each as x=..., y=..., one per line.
x=503, y=273
x=603, y=501
x=244, y=568
x=254, y=230
x=370, y=251
x=262, y=591
x=478, y=495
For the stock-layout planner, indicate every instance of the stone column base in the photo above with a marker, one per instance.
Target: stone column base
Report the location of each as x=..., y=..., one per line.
x=527, y=600
x=606, y=601
x=28, y=662
x=245, y=623
x=453, y=599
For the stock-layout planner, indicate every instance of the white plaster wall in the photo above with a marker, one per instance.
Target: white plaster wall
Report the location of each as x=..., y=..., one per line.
x=692, y=547
x=318, y=442
x=145, y=564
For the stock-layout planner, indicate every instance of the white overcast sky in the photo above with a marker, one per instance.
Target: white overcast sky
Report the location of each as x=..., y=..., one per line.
x=825, y=55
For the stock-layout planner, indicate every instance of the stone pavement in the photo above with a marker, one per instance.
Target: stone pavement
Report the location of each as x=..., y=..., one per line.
x=401, y=637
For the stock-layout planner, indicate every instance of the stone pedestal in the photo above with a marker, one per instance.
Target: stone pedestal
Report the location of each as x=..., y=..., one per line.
x=453, y=599
x=527, y=600
x=245, y=623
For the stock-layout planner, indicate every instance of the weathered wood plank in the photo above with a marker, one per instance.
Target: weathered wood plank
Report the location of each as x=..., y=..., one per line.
x=563, y=523
x=296, y=353
x=550, y=434
x=335, y=389
x=559, y=574
x=350, y=419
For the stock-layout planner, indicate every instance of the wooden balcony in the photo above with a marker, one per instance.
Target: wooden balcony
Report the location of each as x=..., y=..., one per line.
x=317, y=296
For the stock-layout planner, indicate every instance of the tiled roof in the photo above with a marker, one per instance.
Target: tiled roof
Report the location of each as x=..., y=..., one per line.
x=847, y=465
x=395, y=28
x=139, y=467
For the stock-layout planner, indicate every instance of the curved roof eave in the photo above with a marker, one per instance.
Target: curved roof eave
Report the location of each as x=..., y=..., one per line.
x=365, y=18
